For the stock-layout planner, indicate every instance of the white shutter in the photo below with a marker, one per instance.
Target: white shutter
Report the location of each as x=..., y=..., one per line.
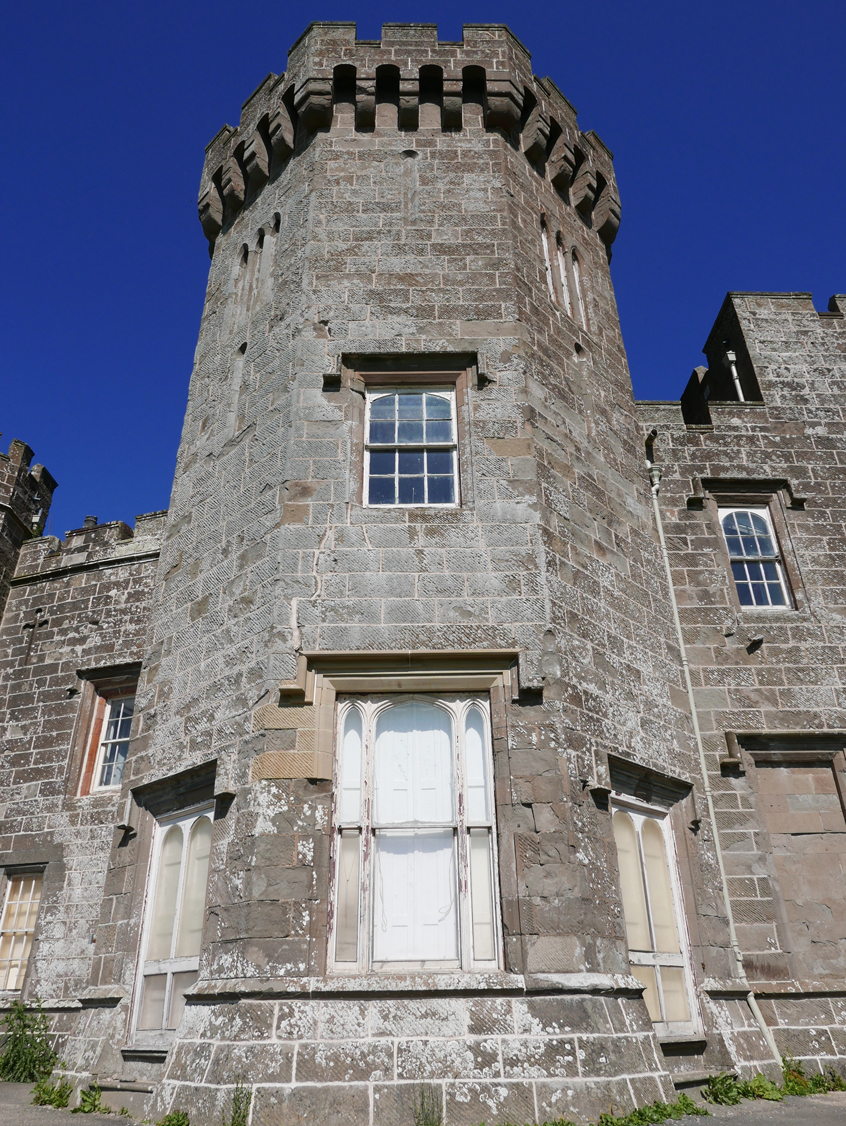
x=416, y=916
x=478, y=805
x=350, y=797
x=413, y=772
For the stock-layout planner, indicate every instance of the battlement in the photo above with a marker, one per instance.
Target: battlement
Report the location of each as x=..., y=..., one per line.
x=408, y=82
x=92, y=545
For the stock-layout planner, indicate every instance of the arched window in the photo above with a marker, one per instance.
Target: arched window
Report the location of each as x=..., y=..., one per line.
x=547, y=265
x=414, y=826
x=652, y=915
x=756, y=563
x=562, y=275
x=578, y=292
x=175, y=918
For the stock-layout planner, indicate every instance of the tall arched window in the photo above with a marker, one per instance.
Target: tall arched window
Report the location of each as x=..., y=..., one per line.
x=562, y=275
x=547, y=265
x=756, y=562
x=414, y=845
x=654, y=929
x=175, y=918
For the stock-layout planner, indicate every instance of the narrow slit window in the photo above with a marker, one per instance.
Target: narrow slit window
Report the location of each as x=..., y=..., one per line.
x=756, y=563
x=651, y=911
x=578, y=293
x=411, y=448
x=547, y=263
x=176, y=914
x=562, y=276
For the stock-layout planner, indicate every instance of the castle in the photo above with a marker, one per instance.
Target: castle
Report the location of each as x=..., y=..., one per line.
x=464, y=725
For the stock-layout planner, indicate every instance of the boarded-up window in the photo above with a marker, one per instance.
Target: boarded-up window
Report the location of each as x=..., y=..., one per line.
x=803, y=813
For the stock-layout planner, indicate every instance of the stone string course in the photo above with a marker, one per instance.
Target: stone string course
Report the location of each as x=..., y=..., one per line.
x=359, y=216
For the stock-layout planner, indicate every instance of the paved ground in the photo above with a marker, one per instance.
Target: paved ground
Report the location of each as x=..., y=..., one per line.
x=818, y=1110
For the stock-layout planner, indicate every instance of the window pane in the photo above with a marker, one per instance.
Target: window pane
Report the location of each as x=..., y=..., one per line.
x=152, y=1001
x=413, y=765
x=646, y=975
x=410, y=406
x=350, y=796
x=478, y=808
x=438, y=406
x=382, y=490
x=439, y=431
x=346, y=927
x=164, y=908
x=180, y=983
x=439, y=461
x=382, y=432
x=410, y=462
x=411, y=433
x=631, y=883
x=481, y=894
x=660, y=892
x=415, y=910
x=675, y=995
x=384, y=406
x=18, y=926
x=411, y=490
x=383, y=463
x=441, y=490
x=192, y=910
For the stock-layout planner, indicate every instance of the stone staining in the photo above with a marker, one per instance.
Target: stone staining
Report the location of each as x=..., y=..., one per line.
x=391, y=220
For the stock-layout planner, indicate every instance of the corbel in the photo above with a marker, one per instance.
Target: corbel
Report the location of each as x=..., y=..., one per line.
x=536, y=135
x=606, y=215
x=560, y=164
x=365, y=103
x=504, y=103
x=280, y=130
x=128, y=820
x=256, y=161
x=232, y=182
x=313, y=103
x=210, y=210
x=408, y=114
x=732, y=760
x=583, y=189
x=452, y=110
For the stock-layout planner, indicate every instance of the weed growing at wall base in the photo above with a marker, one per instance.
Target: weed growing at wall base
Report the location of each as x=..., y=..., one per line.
x=643, y=1116
x=27, y=1054
x=48, y=1093
x=725, y=1090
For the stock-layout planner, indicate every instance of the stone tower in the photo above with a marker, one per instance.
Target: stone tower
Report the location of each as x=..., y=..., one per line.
x=411, y=646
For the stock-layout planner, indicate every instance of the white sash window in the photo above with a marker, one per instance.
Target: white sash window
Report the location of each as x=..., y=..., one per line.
x=414, y=836
x=175, y=913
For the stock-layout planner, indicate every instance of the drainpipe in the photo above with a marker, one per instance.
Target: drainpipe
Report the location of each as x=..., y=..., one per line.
x=655, y=482
x=730, y=361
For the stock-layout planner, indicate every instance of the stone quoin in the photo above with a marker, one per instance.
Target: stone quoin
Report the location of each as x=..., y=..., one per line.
x=464, y=728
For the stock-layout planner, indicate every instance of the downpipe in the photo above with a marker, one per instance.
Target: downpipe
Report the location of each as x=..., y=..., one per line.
x=655, y=485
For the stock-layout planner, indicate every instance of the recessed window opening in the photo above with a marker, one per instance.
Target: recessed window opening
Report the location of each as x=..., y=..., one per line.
x=547, y=265
x=411, y=448
x=387, y=84
x=414, y=837
x=17, y=927
x=756, y=562
x=114, y=742
x=431, y=96
x=343, y=84
x=651, y=908
x=562, y=274
x=578, y=295
x=175, y=917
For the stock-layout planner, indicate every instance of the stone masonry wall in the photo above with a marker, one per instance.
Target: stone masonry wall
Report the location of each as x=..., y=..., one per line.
x=80, y=604
x=775, y=676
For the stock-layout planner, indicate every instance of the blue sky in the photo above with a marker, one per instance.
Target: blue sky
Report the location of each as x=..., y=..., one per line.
x=726, y=120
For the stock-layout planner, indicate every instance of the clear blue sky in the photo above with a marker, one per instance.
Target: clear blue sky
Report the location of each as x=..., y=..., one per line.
x=726, y=120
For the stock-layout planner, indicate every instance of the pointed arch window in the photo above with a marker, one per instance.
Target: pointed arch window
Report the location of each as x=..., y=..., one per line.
x=414, y=841
x=174, y=919
x=655, y=928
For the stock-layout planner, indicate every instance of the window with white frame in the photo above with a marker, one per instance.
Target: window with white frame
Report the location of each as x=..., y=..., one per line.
x=111, y=736
x=415, y=849
x=756, y=563
x=652, y=909
x=174, y=917
x=411, y=447
x=17, y=927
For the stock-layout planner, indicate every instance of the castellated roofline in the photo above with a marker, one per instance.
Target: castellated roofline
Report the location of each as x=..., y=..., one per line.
x=337, y=82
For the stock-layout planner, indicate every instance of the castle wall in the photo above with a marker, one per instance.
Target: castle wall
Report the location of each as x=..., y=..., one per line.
x=772, y=677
